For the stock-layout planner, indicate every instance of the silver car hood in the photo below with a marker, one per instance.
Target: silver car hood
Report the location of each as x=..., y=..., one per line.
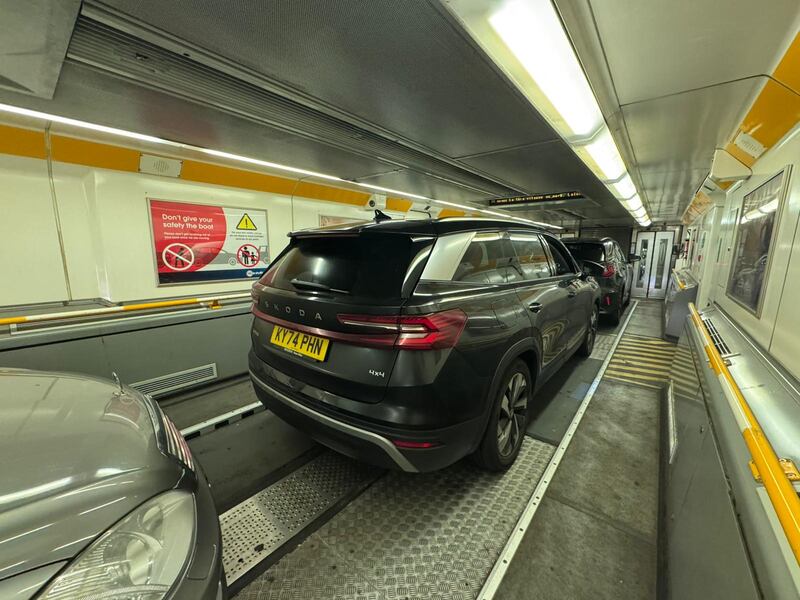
x=77, y=455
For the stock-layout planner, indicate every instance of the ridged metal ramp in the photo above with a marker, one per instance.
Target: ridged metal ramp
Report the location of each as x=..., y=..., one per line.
x=336, y=528
x=434, y=535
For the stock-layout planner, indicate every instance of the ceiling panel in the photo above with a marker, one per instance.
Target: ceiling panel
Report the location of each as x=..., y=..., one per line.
x=671, y=191
x=542, y=168
x=655, y=48
x=428, y=186
x=400, y=65
x=33, y=41
x=679, y=133
x=89, y=95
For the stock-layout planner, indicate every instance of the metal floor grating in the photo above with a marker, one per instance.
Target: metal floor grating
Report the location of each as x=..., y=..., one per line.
x=602, y=346
x=254, y=529
x=434, y=535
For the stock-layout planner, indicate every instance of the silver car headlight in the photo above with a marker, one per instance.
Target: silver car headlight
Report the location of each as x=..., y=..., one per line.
x=139, y=558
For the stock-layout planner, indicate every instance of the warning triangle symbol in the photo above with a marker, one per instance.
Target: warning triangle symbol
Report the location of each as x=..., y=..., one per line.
x=246, y=223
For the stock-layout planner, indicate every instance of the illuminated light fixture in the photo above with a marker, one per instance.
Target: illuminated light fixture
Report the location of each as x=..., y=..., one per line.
x=605, y=154
x=645, y=222
x=245, y=159
x=641, y=213
x=84, y=125
x=391, y=191
x=623, y=188
x=533, y=33
x=633, y=203
x=769, y=207
x=526, y=39
x=261, y=163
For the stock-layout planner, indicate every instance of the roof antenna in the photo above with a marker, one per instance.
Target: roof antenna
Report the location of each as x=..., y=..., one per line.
x=381, y=216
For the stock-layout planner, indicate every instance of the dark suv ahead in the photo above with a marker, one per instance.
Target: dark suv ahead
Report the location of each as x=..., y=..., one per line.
x=603, y=258
x=411, y=344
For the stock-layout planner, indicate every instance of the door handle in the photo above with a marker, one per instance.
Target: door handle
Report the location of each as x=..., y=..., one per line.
x=535, y=307
x=572, y=294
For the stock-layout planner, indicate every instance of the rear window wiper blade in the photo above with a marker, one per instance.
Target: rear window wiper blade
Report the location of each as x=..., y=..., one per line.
x=318, y=287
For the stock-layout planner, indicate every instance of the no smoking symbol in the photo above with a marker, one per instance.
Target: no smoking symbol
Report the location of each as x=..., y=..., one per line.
x=248, y=255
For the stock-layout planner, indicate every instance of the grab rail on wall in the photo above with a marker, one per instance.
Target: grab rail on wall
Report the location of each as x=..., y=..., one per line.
x=680, y=281
x=212, y=302
x=779, y=488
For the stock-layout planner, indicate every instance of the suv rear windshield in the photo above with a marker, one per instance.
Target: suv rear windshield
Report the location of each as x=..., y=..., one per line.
x=586, y=251
x=365, y=266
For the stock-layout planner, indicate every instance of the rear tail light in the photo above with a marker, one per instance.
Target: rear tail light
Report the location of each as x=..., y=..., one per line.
x=411, y=332
x=414, y=445
x=609, y=270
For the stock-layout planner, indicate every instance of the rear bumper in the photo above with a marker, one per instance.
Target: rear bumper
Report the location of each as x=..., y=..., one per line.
x=610, y=300
x=371, y=444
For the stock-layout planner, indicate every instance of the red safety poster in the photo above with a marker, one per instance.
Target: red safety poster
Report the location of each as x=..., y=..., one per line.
x=196, y=243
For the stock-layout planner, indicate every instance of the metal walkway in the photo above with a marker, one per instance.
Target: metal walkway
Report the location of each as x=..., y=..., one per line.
x=329, y=527
x=642, y=360
x=433, y=535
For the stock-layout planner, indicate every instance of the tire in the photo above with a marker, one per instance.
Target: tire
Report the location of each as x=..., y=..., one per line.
x=587, y=346
x=615, y=317
x=506, y=428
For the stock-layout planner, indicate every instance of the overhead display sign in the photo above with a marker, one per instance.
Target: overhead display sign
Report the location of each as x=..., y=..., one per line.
x=198, y=243
x=531, y=199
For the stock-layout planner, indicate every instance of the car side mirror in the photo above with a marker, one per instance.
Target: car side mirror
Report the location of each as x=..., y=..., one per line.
x=633, y=257
x=590, y=269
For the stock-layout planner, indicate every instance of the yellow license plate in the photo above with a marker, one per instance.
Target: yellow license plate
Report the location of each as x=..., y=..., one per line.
x=300, y=343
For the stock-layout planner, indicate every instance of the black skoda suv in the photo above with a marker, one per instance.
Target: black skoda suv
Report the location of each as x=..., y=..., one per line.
x=411, y=344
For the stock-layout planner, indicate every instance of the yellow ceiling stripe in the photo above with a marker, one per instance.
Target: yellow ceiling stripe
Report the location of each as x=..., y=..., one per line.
x=776, y=110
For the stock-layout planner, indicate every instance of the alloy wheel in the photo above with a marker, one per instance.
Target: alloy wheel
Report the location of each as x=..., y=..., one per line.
x=513, y=410
x=592, y=333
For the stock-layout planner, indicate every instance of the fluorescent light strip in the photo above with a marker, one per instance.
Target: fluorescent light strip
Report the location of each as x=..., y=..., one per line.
x=246, y=159
x=83, y=124
x=532, y=31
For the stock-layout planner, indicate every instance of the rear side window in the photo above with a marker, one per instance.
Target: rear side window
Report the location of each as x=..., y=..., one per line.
x=531, y=255
x=489, y=258
x=562, y=262
x=366, y=266
x=587, y=251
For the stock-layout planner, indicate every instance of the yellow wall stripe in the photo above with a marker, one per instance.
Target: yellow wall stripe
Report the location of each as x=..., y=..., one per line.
x=398, y=204
x=776, y=110
x=93, y=154
x=18, y=141
x=449, y=212
x=22, y=142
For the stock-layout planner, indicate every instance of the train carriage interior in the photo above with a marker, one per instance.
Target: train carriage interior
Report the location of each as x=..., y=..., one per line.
x=403, y=300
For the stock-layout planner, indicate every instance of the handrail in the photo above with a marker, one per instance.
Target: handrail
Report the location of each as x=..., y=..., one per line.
x=210, y=301
x=681, y=284
x=780, y=490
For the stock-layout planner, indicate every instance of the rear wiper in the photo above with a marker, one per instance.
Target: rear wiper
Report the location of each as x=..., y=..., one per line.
x=318, y=287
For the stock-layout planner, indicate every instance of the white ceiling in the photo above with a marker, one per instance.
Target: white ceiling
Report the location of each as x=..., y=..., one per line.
x=676, y=77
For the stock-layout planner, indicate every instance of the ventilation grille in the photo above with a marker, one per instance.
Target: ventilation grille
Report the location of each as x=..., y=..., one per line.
x=719, y=343
x=158, y=386
x=120, y=54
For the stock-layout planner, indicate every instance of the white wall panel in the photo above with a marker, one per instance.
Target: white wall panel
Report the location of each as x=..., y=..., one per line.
x=30, y=258
x=786, y=338
x=106, y=230
x=778, y=327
